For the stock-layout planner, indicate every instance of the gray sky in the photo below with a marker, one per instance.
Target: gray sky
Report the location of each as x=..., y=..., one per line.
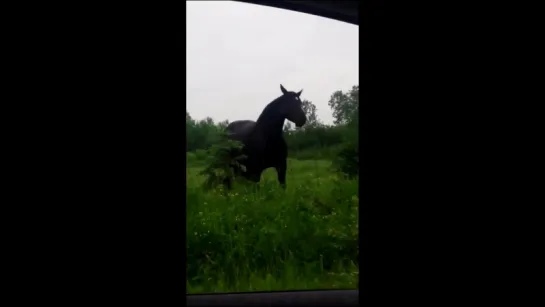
x=238, y=54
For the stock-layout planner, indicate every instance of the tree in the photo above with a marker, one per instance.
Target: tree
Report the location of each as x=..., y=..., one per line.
x=346, y=112
x=189, y=129
x=310, y=111
x=209, y=121
x=223, y=124
x=345, y=106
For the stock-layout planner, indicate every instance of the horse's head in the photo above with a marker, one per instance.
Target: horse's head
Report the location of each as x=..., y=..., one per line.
x=292, y=107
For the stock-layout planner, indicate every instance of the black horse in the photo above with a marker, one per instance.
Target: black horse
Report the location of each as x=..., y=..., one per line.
x=264, y=144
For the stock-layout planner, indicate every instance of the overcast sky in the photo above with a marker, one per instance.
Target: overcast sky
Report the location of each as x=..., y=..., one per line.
x=238, y=54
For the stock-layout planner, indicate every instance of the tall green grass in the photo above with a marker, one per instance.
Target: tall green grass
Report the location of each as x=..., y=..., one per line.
x=264, y=238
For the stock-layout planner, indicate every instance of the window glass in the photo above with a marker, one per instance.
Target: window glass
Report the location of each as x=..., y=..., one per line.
x=263, y=83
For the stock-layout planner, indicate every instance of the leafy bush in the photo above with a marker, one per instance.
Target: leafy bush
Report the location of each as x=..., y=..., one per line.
x=201, y=154
x=347, y=162
x=224, y=163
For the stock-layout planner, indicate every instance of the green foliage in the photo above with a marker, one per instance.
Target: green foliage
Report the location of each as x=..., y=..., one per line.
x=310, y=111
x=266, y=239
x=202, y=134
x=345, y=106
x=317, y=137
x=347, y=161
x=346, y=111
x=223, y=160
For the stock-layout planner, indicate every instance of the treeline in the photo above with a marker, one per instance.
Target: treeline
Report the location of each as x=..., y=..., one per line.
x=313, y=141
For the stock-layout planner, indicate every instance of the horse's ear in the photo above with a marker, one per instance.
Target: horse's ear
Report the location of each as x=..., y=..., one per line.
x=284, y=91
x=299, y=93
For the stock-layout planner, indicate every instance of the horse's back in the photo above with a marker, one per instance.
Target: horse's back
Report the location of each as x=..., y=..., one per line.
x=240, y=130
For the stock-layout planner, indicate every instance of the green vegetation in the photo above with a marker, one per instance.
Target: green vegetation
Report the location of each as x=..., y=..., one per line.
x=259, y=239
x=264, y=238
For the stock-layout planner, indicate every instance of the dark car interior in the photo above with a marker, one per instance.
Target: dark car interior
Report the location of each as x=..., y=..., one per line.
x=345, y=11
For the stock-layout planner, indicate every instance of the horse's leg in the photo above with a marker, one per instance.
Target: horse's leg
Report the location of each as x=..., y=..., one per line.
x=227, y=183
x=254, y=176
x=281, y=167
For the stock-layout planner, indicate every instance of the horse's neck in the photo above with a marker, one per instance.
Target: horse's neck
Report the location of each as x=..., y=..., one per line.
x=271, y=125
x=271, y=129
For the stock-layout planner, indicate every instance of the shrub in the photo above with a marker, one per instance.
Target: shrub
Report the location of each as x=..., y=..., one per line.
x=347, y=161
x=224, y=163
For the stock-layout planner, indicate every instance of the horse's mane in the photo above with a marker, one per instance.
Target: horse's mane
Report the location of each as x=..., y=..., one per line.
x=269, y=107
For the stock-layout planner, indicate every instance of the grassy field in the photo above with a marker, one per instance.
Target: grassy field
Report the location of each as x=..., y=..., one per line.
x=267, y=239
